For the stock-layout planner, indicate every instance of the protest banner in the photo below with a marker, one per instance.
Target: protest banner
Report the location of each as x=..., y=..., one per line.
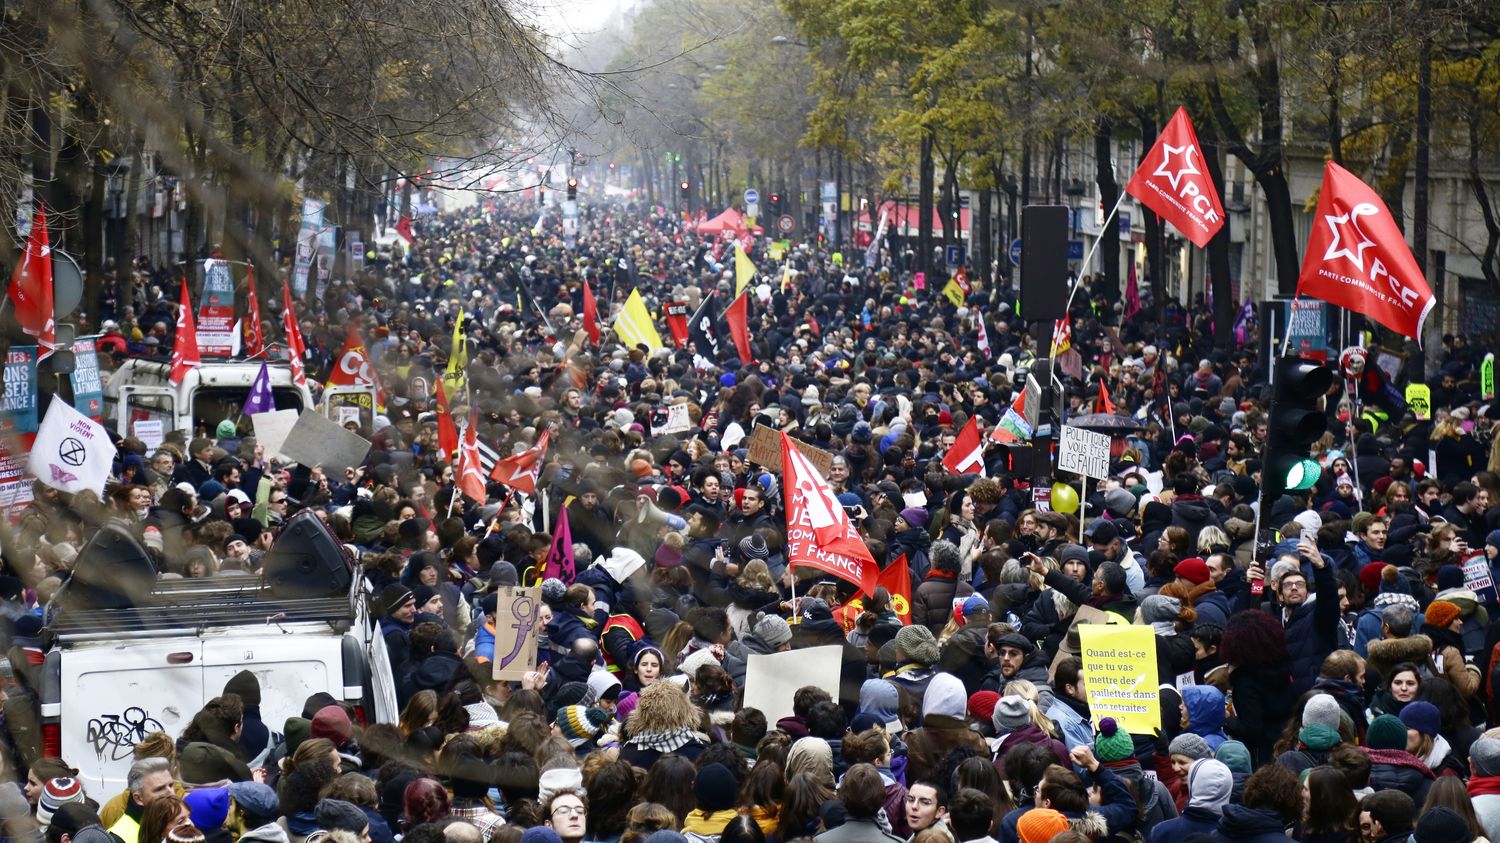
x=216, y=323
x=272, y=429
x=1119, y=671
x=765, y=451
x=315, y=440
x=88, y=388
x=771, y=680
x=18, y=407
x=516, y=627
x=671, y=419
x=1477, y=577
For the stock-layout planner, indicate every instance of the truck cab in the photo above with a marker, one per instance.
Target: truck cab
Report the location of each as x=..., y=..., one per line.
x=135, y=654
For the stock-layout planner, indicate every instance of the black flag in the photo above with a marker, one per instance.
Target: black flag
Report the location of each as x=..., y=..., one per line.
x=703, y=333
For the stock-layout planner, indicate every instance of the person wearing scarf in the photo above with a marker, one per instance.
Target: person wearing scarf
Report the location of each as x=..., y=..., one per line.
x=1484, y=786
x=1318, y=736
x=664, y=721
x=1391, y=766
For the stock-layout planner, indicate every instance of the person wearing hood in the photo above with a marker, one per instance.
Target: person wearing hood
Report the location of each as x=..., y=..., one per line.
x=1209, y=785
x=880, y=700
x=1391, y=766
x=1273, y=801
x=944, y=728
x=909, y=536
x=255, y=808
x=255, y=736
x=1236, y=756
x=1190, y=510
x=1203, y=714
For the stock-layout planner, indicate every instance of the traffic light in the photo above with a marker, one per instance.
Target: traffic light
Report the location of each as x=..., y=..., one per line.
x=572, y=189
x=685, y=186
x=541, y=195
x=1295, y=422
x=774, y=203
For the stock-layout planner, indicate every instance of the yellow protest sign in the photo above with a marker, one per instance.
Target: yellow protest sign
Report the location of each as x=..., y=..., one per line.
x=1419, y=397
x=955, y=293
x=1119, y=673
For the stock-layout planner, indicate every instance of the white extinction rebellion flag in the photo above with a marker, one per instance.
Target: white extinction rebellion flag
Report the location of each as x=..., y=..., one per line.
x=72, y=452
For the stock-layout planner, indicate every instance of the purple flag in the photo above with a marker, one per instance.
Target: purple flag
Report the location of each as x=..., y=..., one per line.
x=260, y=400
x=560, y=562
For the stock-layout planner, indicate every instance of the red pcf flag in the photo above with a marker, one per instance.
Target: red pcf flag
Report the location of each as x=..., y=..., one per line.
x=896, y=579
x=1357, y=257
x=403, y=230
x=255, y=338
x=819, y=533
x=470, y=475
x=31, y=288
x=590, y=314
x=967, y=454
x=1173, y=182
x=520, y=471
x=185, y=343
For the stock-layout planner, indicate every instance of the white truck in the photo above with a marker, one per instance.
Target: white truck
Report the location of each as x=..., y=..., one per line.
x=140, y=400
x=135, y=654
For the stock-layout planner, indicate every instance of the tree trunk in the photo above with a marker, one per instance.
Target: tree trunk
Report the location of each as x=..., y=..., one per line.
x=1283, y=233
x=1218, y=248
x=924, y=204
x=1424, y=150
x=1151, y=222
x=1109, y=193
x=982, y=238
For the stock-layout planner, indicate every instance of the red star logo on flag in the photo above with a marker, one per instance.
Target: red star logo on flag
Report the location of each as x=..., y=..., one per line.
x=1186, y=168
x=1342, y=226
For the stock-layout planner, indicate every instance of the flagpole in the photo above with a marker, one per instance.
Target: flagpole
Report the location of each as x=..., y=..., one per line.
x=1088, y=256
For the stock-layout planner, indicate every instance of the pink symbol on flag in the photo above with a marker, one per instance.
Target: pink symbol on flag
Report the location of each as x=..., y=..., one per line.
x=60, y=476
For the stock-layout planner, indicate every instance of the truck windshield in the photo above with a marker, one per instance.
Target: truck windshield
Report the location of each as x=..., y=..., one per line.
x=212, y=405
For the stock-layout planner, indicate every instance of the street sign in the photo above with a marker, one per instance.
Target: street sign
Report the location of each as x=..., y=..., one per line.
x=1075, y=250
x=1083, y=452
x=784, y=223
x=752, y=196
x=1015, y=253
x=67, y=284
x=953, y=255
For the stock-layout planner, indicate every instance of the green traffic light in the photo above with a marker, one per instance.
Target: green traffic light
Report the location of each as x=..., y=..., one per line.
x=1303, y=475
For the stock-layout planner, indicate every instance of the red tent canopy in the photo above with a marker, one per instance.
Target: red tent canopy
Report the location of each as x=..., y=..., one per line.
x=903, y=218
x=731, y=220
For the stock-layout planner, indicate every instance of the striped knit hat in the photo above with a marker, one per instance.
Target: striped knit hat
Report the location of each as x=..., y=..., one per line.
x=580, y=724
x=55, y=794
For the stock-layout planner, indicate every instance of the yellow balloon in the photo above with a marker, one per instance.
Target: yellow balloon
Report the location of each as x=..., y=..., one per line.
x=1064, y=498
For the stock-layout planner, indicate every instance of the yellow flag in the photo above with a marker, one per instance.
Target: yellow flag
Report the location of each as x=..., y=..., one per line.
x=455, y=378
x=744, y=270
x=634, y=324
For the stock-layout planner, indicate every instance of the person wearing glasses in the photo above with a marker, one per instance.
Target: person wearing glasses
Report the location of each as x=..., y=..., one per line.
x=567, y=814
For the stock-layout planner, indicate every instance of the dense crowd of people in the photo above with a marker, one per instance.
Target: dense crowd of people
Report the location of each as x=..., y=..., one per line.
x=1338, y=689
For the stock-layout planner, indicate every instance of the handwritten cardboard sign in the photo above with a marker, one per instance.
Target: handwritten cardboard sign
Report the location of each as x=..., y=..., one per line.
x=516, y=627
x=316, y=440
x=765, y=450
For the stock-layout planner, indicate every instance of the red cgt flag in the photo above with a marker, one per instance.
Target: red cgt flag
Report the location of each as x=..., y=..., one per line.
x=1358, y=258
x=403, y=230
x=967, y=454
x=31, y=288
x=590, y=314
x=185, y=354
x=819, y=532
x=1173, y=182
